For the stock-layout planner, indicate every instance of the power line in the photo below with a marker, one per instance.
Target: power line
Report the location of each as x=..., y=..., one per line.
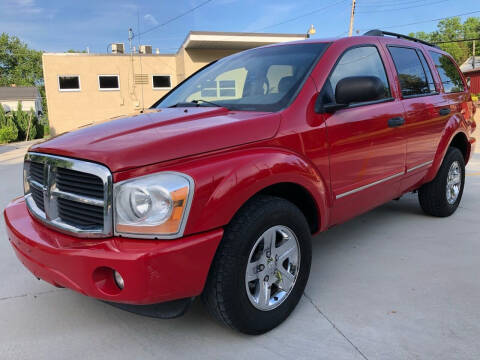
x=455, y=41
x=173, y=19
x=303, y=15
x=420, y=22
x=390, y=3
x=402, y=8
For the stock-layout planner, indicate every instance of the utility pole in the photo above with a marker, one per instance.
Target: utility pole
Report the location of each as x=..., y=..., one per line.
x=130, y=37
x=352, y=15
x=473, y=60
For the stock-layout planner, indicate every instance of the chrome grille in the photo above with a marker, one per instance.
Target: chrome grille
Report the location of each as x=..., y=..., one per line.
x=79, y=183
x=70, y=195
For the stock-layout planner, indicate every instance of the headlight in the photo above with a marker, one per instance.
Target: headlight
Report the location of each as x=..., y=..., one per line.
x=153, y=206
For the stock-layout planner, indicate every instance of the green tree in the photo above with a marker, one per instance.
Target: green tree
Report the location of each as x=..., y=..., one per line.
x=72, y=51
x=22, y=66
x=454, y=29
x=18, y=64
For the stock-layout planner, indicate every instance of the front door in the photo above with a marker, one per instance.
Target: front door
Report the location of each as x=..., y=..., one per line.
x=367, y=140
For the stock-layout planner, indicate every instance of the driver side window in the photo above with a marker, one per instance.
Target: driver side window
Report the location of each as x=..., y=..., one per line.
x=358, y=61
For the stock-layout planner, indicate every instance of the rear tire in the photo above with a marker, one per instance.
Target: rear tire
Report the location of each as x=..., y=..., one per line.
x=442, y=195
x=246, y=266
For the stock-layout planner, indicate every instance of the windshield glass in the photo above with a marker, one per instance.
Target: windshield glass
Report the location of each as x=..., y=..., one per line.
x=263, y=79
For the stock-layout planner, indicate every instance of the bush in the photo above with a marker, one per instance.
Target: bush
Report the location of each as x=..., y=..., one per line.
x=15, y=126
x=8, y=129
x=22, y=120
x=9, y=132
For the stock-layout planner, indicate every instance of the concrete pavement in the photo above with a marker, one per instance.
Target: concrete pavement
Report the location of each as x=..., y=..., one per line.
x=390, y=284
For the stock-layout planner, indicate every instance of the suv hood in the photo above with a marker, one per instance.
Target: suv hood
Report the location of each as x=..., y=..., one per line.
x=162, y=135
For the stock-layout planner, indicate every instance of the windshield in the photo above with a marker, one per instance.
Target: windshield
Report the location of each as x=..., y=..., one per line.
x=263, y=79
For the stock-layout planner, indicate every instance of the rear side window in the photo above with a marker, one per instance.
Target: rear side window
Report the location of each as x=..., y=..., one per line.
x=411, y=72
x=428, y=71
x=451, y=79
x=359, y=61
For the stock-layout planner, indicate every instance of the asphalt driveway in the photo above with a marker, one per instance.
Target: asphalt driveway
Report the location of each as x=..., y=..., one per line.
x=390, y=284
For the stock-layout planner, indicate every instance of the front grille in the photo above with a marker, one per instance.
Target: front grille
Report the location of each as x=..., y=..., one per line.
x=71, y=195
x=36, y=172
x=76, y=213
x=38, y=198
x=79, y=183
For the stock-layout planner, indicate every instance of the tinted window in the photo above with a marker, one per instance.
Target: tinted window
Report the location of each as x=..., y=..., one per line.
x=411, y=74
x=359, y=61
x=69, y=83
x=108, y=82
x=161, y=81
x=451, y=79
x=262, y=79
x=428, y=72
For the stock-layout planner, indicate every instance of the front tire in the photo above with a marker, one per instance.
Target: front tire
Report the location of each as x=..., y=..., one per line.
x=261, y=266
x=442, y=196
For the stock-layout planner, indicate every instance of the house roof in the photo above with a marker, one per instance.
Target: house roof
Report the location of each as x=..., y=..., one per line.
x=467, y=66
x=234, y=40
x=19, y=93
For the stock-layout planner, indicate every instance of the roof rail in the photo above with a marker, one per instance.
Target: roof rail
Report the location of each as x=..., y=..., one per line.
x=377, y=32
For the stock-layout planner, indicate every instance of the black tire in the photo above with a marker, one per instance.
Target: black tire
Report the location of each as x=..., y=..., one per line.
x=225, y=294
x=433, y=196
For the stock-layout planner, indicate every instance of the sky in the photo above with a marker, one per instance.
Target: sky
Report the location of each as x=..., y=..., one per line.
x=59, y=25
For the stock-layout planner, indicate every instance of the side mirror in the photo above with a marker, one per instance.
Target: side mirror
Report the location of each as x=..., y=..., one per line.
x=356, y=89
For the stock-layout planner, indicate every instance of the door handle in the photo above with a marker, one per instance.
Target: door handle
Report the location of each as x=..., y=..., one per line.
x=444, y=111
x=396, y=122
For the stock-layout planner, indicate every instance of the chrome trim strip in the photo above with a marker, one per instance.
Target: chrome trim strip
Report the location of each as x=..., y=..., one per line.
x=50, y=192
x=419, y=166
x=78, y=198
x=368, y=185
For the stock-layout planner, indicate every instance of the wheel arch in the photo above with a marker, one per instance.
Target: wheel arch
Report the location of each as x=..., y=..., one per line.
x=460, y=141
x=248, y=173
x=300, y=197
x=455, y=135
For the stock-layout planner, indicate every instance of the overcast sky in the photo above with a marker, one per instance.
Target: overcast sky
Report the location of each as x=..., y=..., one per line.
x=59, y=25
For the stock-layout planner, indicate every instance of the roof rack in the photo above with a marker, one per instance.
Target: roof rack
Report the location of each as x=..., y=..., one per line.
x=377, y=32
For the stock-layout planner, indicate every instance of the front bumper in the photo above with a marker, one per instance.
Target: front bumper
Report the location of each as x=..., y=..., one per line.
x=154, y=271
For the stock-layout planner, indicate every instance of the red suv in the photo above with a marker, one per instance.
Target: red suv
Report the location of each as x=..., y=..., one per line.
x=217, y=190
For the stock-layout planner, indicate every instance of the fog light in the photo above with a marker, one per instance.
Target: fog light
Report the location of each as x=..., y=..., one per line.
x=118, y=279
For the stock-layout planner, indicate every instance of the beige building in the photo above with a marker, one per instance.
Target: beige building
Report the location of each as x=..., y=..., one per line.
x=83, y=88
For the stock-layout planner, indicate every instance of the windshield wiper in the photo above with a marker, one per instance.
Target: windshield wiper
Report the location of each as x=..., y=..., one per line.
x=194, y=103
x=207, y=102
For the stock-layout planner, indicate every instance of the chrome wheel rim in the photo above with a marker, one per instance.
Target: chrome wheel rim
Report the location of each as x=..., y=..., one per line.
x=454, y=182
x=272, y=268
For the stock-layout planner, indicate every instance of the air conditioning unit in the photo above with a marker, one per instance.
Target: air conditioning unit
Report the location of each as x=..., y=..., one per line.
x=145, y=49
x=118, y=48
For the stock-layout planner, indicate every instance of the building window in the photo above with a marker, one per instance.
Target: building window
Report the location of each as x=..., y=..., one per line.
x=69, y=83
x=161, y=82
x=108, y=82
x=227, y=88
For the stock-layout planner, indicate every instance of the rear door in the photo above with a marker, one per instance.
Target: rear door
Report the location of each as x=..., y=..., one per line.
x=367, y=148
x=426, y=110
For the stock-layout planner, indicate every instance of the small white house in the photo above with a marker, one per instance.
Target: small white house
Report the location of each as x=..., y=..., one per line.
x=28, y=96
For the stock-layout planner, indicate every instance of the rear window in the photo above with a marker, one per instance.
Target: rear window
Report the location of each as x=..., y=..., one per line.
x=412, y=74
x=451, y=78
